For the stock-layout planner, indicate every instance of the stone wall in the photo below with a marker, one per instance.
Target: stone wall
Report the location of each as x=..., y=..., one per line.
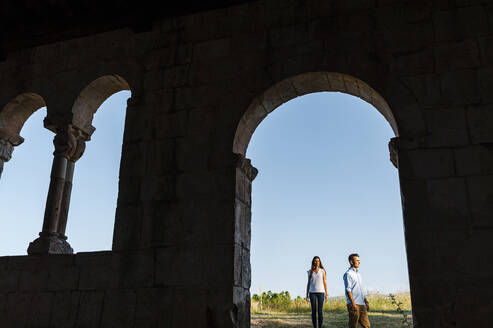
x=182, y=228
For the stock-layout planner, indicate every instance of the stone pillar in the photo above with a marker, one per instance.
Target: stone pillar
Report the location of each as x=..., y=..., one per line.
x=69, y=147
x=245, y=174
x=6, y=149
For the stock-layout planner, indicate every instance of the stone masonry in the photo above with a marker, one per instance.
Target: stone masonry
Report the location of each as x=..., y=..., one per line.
x=201, y=83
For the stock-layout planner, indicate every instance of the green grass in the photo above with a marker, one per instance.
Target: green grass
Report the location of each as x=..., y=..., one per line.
x=332, y=319
x=296, y=313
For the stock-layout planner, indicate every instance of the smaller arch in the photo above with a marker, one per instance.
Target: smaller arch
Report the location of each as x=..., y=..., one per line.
x=300, y=85
x=91, y=98
x=15, y=113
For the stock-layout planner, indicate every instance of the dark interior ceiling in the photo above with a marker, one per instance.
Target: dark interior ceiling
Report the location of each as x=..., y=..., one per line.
x=28, y=23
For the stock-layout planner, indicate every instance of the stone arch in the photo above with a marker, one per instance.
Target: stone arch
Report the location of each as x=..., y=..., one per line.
x=91, y=98
x=258, y=109
x=15, y=113
x=300, y=85
x=70, y=143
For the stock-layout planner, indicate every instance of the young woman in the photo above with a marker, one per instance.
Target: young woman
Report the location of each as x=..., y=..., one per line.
x=316, y=290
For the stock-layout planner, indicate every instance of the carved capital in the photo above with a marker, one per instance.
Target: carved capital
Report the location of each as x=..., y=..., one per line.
x=394, y=151
x=245, y=165
x=70, y=143
x=6, y=149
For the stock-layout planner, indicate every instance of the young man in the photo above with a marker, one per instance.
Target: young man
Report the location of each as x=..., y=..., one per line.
x=356, y=301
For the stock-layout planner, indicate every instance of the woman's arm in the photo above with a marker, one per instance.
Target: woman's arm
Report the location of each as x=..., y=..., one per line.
x=308, y=287
x=325, y=287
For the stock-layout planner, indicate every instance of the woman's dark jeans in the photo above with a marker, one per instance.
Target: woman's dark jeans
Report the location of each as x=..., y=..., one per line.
x=317, y=302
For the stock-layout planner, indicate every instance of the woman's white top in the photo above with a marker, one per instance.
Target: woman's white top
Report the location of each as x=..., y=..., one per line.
x=317, y=281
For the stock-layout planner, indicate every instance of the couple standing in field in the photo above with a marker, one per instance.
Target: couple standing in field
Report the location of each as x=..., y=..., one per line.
x=357, y=304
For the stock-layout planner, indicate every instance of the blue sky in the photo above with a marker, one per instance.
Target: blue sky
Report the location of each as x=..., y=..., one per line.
x=325, y=187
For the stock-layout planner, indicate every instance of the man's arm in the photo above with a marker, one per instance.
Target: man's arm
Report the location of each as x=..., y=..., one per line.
x=353, y=304
x=348, y=284
x=367, y=304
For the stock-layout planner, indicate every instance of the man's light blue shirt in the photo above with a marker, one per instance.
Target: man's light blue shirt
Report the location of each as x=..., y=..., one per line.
x=352, y=283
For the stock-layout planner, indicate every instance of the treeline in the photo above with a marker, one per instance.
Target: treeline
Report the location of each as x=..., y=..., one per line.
x=282, y=302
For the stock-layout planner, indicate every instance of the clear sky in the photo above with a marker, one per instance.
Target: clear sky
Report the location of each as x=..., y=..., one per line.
x=325, y=187
x=26, y=177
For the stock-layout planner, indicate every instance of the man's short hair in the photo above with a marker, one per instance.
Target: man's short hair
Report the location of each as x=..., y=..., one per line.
x=352, y=256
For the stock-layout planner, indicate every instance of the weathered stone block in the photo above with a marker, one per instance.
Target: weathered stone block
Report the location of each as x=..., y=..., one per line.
x=171, y=125
x=213, y=49
x=208, y=261
x=96, y=271
x=480, y=119
x=133, y=162
x=474, y=160
x=480, y=190
x=435, y=204
x=472, y=308
x=485, y=76
x=242, y=224
x=161, y=101
x=160, y=188
x=134, y=268
x=90, y=309
x=288, y=35
x=3, y=308
x=271, y=99
x=161, y=157
x=119, y=308
x=64, y=309
x=17, y=310
x=176, y=76
x=154, y=307
x=9, y=280
x=128, y=223
x=448, y=206
x=241, y=300
x=426, y=163
x=168, y=227
x=40, y=310
x=460, y=87
x=310, y=82
x=33, y=280
x=200, y=229
x=460, y=23
x=129, y=190
x=426, y=88
x=154, y=80
x=191, y=154
x=407, y=38
x=159, y=58
x=195, y=300
x=447, y=128
x=457, y=55
x=416, y=63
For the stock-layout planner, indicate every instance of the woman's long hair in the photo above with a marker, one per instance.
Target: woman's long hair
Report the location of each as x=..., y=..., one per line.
x=314, y=265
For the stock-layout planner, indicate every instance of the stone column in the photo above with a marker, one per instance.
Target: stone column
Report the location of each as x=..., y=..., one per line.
x=69, y=174
x=6, y=149
x=69, y=146
x=245, y=174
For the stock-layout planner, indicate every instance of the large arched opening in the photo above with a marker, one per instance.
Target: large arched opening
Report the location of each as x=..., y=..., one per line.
x=21, y=204
x=263, y=105
x=70, y=145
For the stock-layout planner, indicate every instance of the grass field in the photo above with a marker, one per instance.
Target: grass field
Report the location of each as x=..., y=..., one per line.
x=332, y=319
x=385, y=312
